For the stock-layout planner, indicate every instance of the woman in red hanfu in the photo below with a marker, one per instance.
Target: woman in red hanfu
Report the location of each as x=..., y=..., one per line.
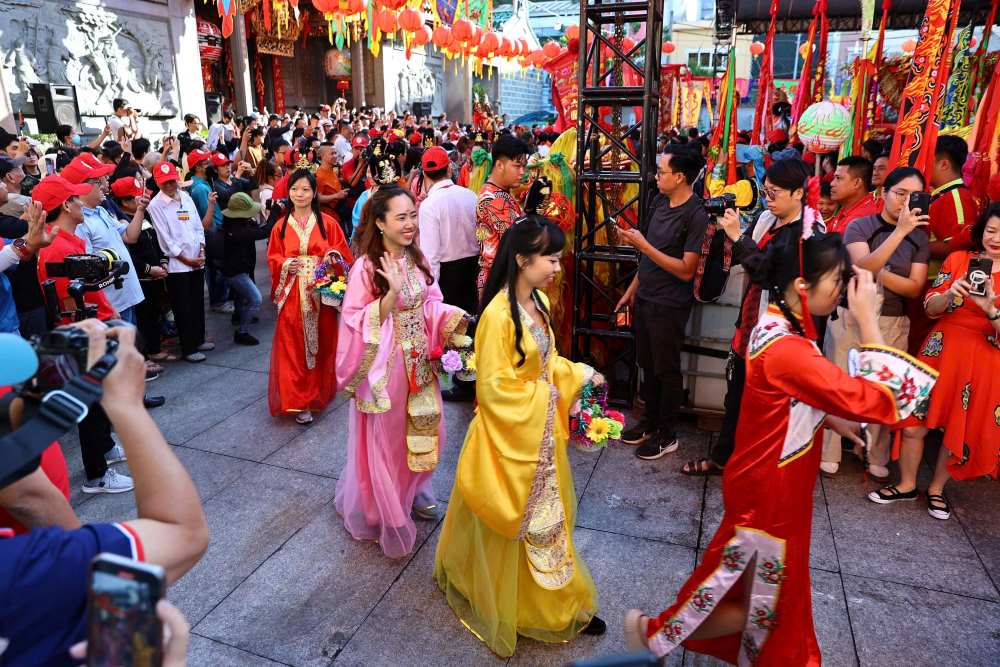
x=749, y=601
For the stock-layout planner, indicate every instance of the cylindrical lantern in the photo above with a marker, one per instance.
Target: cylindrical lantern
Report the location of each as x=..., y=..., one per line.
x=823, y=127
x=209, y=41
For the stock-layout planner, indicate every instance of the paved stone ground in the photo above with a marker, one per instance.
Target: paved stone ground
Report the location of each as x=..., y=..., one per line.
x=283, y=583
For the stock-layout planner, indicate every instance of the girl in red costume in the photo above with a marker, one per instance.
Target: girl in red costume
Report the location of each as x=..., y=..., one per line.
x=749, y=601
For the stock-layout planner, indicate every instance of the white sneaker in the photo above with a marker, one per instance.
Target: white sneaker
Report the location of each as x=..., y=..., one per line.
x=116, y=455
x=226, y=308
x=206, y=347
x=828, y=468
x=112, y=482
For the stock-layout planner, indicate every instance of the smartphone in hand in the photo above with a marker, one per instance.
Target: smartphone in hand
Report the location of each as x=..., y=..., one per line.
x=122, y=626
x=979, y=274
x=920, y=201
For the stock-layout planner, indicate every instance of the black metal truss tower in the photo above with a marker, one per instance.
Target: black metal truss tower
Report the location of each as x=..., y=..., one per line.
x=611, y=156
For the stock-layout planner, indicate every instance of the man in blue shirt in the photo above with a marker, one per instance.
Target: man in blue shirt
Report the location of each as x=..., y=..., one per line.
x=102, y=231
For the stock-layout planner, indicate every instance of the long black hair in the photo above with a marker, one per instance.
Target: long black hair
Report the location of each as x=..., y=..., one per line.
x=297, y=176
x=533, y=235
x=822, y=253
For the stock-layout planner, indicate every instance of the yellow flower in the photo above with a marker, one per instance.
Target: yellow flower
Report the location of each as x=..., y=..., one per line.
x=338, y=287
x=598, y=430
x=470, y=362
x=461, y=341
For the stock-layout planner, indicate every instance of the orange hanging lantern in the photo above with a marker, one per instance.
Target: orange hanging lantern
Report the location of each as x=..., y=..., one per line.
x=442, y=37
x=538, y=57
x=507, y=48
x=462, y=31
x=387, y=22
x=491, y=42
x=329, y=9
x=550, y=50
x=523, y=48
x=573, y=32
x=668, y=47
x=422, y=36
x=390, y=4
x=410, y=20
x=910, y=45
x=756, y=48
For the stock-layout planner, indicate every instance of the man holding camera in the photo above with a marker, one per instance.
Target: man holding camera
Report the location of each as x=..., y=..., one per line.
x=124, y=124
x=102, y=231
x=44, y=573
x=662, y=294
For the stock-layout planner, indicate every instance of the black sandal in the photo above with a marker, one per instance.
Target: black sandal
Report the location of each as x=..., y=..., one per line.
x=891, y=494
x=938, y=507
x=702, y=467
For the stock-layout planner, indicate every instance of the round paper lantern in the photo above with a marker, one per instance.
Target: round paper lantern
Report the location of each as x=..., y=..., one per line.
x=422, y=36
x=441, y=37
x=327, y=6
x=910, y=45
x=354, y=7
x=628, y=44
x=209, y=41
x=756, y=48
x=483, y=52
x=668, y=47
x=410, y=20
x=551, y=50
x=387, y=4
x=538, y=57
x=491, y=41
x=461, y=31
x=386, y=22
x=523, y=49
x=573, y=32
x=506, y=49
x=823, y=127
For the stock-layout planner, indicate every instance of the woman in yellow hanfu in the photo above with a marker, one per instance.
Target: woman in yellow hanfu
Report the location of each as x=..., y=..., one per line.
x=505, y=558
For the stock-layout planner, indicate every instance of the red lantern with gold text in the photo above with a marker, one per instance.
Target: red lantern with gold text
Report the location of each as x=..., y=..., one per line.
x=551, y=50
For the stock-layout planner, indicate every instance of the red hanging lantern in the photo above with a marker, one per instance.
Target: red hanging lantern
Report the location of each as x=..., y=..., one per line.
x=491, y=41
x=387, y=22
x=343, y=85
x=551, y=50
x=462, y=31
x=756, y=48
x=441, y=37
x=628, y=44
x=573, y=32
x=506, y=49
x=523, y=48
x=909, y=46
x=422, y=36
x=390, y=4
x=668, y=47
x=410, y=20
x=482, y=52
x=538, y=57
x=209, y=41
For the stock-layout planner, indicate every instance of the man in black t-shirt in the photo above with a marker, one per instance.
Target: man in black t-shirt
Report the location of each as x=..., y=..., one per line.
x=662, y=294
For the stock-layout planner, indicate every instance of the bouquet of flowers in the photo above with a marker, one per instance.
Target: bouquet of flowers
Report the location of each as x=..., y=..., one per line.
x=457, y=360
x=330, y=281
x=591, y=423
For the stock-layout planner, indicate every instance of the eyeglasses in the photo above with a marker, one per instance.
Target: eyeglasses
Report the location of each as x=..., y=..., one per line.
x=772, y=193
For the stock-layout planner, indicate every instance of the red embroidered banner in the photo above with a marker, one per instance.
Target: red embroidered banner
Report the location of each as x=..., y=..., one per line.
x=762, y=120
x=669, y=75
x=565, y=93
x=279, y=85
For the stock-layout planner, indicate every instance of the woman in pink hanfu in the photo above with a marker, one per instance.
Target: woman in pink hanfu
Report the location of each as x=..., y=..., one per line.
x=392, y=323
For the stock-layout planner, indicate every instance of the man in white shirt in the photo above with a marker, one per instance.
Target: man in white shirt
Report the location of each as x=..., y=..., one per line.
x=325, y=122
x=342, y=144
x=220, y=134
x=124, y=124
x=182, y=238
x=448, y=231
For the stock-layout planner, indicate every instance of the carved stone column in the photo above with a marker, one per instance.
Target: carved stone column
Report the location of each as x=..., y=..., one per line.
x=241, y=67
x=184, y=35
x=358, y=73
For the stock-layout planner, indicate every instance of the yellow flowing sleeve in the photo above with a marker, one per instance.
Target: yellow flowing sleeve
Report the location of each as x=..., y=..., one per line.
x=501, y=450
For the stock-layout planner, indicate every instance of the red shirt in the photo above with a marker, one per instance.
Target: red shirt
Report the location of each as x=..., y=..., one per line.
x=281, y=188
x=867, y=205
x=70, y=244
x=953, y=211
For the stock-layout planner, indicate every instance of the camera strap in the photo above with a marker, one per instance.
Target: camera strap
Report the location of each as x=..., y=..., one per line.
x=57, y=413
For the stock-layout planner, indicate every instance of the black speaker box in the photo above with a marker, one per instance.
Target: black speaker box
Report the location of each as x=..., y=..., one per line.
x=55, y=104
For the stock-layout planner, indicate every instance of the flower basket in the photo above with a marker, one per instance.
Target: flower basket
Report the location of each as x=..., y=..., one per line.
x=330, y=281
x=591, y=423
x=456, y=361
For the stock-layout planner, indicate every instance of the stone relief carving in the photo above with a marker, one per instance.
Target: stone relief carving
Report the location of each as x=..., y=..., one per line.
x=414, y=84
x=104, y=54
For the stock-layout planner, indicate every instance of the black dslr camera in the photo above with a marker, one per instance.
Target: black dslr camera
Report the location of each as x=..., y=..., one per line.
x=716, y=206
x=95, y=270
x=62, y=356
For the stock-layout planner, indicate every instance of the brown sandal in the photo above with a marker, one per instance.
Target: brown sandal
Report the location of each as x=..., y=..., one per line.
x=702, y=467
x=164, y=356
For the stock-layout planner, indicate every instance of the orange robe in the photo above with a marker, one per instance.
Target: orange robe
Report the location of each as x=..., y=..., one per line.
x=327, y=183
x=305, y=340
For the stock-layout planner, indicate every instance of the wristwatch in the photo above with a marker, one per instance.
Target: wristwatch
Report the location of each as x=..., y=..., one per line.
x=21, y=248
x=996, y=316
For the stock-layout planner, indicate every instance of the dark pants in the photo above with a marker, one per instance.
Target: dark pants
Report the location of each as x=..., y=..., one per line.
x=218, y=286
x=458, y=283
x=33, y=322
x=147, y=315
x=736, y=377
x=187, y=300
x=659, y=333
x=95, y=442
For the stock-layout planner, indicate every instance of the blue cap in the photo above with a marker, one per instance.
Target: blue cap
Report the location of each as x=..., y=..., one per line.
x=18, y=361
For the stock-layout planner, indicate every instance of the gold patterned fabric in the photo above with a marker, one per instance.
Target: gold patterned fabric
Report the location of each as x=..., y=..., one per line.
x=301, y=280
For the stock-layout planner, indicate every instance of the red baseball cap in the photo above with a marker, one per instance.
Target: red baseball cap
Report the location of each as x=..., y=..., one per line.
x=53, y=190
x=164, y=172
x=196, y=156
x=219, y=159
x=373, y=133
x=128, y=186
x=434, y=158
x=84, y=168
x=359, y=141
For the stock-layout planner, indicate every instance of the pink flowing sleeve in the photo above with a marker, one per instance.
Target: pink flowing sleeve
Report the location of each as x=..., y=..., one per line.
x=443, y=321
x=364, y=345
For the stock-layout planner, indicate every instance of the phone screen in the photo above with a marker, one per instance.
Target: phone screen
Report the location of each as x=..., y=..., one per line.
x=123, y=628
x=979, y=274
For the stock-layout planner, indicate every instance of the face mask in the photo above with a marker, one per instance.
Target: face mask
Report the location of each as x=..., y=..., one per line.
x=76, y=139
